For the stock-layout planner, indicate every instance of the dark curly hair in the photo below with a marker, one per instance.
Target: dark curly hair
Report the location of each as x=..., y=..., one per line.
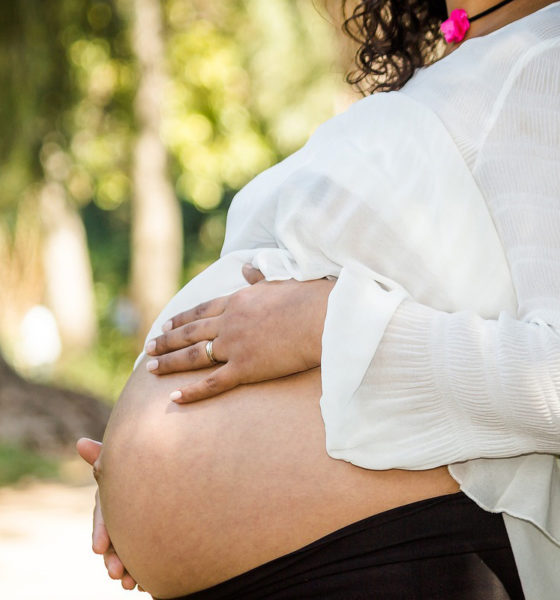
x=396, y=37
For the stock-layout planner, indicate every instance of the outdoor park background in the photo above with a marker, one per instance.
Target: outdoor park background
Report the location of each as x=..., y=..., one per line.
x=127, y=126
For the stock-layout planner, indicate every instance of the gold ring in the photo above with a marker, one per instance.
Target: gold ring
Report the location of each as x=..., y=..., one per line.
x=210, y=353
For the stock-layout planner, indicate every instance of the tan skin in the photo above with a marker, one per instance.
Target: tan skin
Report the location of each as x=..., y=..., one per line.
x=245, y=329
x=197, y=493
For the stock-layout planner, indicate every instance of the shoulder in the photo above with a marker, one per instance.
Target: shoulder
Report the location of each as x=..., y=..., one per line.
x=468, y=89
x=483, y=65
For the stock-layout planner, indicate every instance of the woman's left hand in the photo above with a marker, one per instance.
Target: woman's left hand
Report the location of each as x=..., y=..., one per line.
x=267, y=330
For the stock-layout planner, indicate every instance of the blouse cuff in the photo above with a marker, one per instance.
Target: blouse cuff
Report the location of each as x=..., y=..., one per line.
x=432, y=379
x=359, y=308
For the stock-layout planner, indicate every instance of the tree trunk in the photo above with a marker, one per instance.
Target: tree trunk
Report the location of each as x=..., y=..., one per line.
x=67, y=269
x=44, y=418
x=156, y=216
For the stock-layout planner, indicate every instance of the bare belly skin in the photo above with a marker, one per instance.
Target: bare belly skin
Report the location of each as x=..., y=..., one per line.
x=193, y=495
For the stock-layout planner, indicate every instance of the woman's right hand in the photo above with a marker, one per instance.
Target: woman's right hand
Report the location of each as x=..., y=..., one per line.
x=101, y=544
x=90, y=451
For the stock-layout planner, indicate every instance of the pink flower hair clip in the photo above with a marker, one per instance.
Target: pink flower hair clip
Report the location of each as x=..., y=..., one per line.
x=456, y=26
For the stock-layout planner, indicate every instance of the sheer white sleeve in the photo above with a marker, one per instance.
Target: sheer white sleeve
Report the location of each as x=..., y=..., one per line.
x=447, y=386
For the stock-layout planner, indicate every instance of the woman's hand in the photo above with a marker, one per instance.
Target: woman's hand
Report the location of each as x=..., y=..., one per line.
x=268, y=330
x=90, y=451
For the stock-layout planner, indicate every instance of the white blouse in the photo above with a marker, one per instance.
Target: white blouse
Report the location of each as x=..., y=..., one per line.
x=437, y=209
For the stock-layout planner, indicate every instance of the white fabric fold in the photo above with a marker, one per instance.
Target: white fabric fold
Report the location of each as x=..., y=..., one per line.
x=536, y=557
x=350, y=338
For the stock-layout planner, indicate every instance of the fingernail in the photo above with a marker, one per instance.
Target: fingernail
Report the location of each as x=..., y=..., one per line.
x=152, y=365
x=167, y=326
x=150, y=346
x=176, y=395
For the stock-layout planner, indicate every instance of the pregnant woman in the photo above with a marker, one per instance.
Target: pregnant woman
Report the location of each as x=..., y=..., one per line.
x=409, y=315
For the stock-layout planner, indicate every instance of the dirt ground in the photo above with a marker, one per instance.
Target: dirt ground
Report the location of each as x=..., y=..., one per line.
x=45, y=546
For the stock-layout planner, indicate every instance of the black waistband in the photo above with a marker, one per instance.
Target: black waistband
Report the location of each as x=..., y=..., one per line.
x=441, y=548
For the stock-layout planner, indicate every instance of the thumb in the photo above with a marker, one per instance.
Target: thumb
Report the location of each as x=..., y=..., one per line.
x=88, y=449
x=251, y=274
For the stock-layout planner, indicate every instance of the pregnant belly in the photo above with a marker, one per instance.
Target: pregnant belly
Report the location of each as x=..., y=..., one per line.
x=195, y=494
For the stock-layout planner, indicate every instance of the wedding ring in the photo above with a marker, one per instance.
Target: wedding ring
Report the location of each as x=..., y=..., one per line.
x=210, y=353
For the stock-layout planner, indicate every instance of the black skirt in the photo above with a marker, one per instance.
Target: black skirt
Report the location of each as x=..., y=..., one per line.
x=443, y=548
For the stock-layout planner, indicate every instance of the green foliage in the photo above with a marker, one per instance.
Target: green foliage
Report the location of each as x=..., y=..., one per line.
x=17, y=463
x=67, y=84
x=250, y=81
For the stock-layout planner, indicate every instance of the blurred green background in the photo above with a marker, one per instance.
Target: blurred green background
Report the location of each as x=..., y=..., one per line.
x=127, y=128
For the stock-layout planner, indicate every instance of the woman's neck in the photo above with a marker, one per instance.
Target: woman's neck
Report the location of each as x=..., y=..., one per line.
x=514, y=10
